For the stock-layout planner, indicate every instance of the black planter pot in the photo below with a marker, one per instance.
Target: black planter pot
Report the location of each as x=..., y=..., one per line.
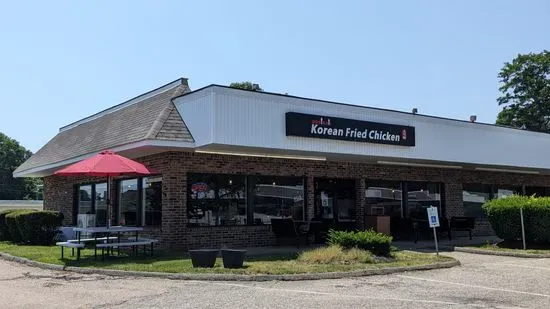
x=233, y=258
x=204, y=257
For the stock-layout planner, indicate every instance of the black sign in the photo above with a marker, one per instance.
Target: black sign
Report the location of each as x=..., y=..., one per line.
x=348, y=129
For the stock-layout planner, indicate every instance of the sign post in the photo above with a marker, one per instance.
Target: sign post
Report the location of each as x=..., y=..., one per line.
x=433, y=219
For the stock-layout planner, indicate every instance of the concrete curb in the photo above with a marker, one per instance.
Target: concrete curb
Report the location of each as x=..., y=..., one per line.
x=229, y=277
x=502, y=253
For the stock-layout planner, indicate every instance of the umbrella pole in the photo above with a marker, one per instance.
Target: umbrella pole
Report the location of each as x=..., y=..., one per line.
x=109, y=207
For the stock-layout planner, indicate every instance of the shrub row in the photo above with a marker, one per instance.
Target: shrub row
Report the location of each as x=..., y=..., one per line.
x=377, y=243
x=30, y=226
x=504, y=216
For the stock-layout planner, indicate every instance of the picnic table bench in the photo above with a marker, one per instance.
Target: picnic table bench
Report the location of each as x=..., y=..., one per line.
x=106, y=241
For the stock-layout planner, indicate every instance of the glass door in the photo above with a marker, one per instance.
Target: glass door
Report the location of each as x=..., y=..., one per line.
x=335, y=202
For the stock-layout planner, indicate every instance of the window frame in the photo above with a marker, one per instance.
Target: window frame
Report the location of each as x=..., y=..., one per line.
x=76, y=198
x=249, y=202
x=140, y=206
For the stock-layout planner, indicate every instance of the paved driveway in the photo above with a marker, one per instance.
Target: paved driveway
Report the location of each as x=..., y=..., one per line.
x=482, y=282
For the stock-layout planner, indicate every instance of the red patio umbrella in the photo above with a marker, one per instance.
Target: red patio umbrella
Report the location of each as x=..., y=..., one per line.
x=105, y=164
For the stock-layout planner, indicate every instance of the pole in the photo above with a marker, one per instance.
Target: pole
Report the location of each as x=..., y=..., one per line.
x=436, y=245
x=109, y=210
x=522, y=228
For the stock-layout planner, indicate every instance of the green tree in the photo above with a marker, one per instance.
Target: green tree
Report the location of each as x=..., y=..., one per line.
x=526, y=92
x=11, y=156
x=246, y=86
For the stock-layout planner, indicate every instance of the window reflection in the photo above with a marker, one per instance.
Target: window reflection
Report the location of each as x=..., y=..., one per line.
x=384, y=198
x=101, y=203
x=421, y=195
x=152, y=200
x=128, y=202
x=85, y=199
x=277, y=197
x=216, y=199
x=473, y=197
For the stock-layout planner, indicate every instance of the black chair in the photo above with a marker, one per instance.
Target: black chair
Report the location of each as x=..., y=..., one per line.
x=462, y=224
x=285, y=228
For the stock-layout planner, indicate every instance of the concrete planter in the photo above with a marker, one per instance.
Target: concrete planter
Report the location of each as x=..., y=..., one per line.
x=233, y=258
x=204, y=257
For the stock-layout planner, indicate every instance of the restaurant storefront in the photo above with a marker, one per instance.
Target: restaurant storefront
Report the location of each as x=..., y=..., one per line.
x=229, y=161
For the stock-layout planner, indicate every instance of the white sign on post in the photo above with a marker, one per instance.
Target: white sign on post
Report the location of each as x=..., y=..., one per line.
x=433, y=219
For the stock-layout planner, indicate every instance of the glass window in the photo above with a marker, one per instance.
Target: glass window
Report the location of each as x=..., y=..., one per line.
x=277, y=197
x=537, y=191
x=504, y=191
x=216, y=199
x=421, y=195
x=85, y=199
x=101, y=203
x=152, y=201
x=128, y=202
x=473, y=197
x=383, y=198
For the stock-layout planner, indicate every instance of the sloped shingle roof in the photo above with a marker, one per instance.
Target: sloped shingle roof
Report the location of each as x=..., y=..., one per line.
x=154, y=117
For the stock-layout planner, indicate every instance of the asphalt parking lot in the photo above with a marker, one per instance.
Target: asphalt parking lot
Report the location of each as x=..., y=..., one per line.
x=482, y=282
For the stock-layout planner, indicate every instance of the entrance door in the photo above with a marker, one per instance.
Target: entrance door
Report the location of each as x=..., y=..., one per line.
x=335, y=202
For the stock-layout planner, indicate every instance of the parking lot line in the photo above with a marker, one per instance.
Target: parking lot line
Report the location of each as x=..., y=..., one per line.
x=473, y=286
x=349, y=296
x=522, y=266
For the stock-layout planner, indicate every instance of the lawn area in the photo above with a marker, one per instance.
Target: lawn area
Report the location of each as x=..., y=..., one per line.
x=513, y=247
x=179, y=262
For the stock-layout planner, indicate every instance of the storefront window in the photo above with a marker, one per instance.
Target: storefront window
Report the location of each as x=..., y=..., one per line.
x=277, y=197
x=101, y=203
x=537, y=191
x=504, y=191
x=383, y=198
x=128, y=202
x=473, y=197
x=152, y=200
x=215, y=199
x=85, y=199
x=421, y=195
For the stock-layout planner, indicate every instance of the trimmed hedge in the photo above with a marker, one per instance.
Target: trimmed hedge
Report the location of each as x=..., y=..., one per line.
x=377, y=243
x=11, y=224
x=33, y=227
x=4, y=231
x=504, y=216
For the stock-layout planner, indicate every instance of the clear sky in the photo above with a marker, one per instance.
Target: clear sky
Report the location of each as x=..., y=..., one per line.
x=61, y=61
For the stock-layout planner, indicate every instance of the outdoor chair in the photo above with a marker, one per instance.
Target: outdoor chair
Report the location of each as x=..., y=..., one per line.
x=462, y=224
x=286, y=229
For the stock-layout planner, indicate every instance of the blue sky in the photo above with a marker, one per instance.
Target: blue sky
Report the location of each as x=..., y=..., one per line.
x=61, y=61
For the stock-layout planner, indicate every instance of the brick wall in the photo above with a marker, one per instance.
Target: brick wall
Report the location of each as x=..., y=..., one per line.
x=174, y=166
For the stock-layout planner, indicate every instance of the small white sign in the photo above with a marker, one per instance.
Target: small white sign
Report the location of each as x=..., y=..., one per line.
x=433, y=217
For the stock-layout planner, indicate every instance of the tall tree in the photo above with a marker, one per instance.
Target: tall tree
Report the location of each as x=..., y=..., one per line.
x=11, y=156
x=526, y=92
x=246, y=86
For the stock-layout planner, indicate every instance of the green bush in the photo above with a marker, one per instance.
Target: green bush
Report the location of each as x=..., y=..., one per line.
x=4, y=232
x=13, y=230
x=38, y=227
x=377, y=243
x=504, y=216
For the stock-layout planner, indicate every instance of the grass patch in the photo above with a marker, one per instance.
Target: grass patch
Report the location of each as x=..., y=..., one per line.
x=336, y=255
x=514, y=247
x=315, y=261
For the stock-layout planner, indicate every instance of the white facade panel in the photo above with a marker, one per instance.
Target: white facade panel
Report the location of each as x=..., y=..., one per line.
x=249, y=119
x=197, y=111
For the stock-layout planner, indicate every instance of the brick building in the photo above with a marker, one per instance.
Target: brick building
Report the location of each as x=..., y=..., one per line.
x=229, y=160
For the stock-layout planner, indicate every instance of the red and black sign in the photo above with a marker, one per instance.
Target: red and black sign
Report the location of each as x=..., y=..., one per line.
x=316, y=126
